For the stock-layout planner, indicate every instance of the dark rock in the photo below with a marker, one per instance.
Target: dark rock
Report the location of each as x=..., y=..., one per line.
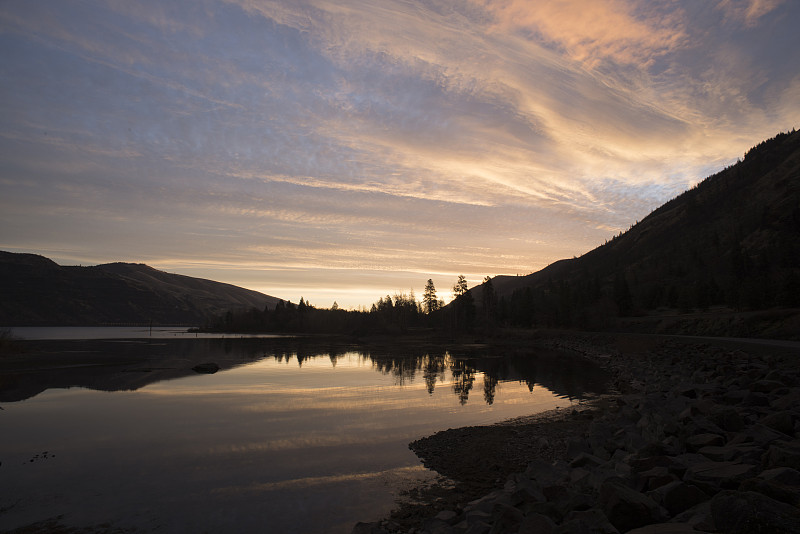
x=537, y=524
x=556, y=492
x=487, y=503
x=653, y=449
x=743, y=453
x=728, y=419
x=526, y=490
x=477, y=516
x=448, y=516
x=674, y=444
x=778, y=376
x=757, y=434
x=435, y=526
x=577, y=503
x=756, y=399
x=579, y=475
x=599, y=475
x=698, y=516
x=780, y=421
x=702, y=406
x=627, y=508
x=782, y=475
x=577, y=446
x=600, y=441
x=672, y=428
x=765, y=386
x=656, y=477
x=717, y=453
x=586, y=460
x=735, y=396
x=682, y=462
x=665, y=528
x=749, y=512
x=543, y=508
x=679, y=497
x=546, y=473
x=206, y=368
x=783, y=454
x=702, y=425
x=787, y=401
x=368, y=528
x=772, y=489
x=712, y=476
x=478, y=528
x=506, y=518
x=698, y=441
x=592, y=521
x=642, y=465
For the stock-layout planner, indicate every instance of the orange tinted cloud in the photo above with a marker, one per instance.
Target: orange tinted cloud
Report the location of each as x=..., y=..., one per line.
x=595, y=30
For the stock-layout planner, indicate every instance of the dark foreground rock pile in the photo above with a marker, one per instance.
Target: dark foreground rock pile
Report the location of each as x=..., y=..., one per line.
x=705, y=439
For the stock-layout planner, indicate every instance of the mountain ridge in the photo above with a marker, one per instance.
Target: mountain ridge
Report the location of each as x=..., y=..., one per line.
x=732, y=241
x=38, y=291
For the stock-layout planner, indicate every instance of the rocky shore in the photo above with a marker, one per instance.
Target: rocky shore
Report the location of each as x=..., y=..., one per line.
x=697, y=437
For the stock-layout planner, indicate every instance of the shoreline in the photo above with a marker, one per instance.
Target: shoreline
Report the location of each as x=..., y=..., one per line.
x=641, y=446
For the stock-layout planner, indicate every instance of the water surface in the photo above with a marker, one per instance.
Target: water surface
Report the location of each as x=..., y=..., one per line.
x=119, y=332
x=288, y=436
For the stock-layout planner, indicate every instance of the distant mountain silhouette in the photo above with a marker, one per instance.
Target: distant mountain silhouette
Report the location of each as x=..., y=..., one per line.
x=37, y=291
x=729, y=245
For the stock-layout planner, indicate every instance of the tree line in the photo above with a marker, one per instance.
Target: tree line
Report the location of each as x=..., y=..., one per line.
x=391, y=314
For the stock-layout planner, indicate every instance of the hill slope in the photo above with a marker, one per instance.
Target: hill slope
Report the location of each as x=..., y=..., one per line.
x=38, y=291
x=731, y=242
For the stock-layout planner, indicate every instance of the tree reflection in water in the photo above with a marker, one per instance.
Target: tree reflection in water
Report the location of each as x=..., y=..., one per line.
x=463, y=377
x=434, y=366
x=489, y=387
x=566, y=376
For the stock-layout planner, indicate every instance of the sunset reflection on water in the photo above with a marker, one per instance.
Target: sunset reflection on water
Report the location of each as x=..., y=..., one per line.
x=276, y=437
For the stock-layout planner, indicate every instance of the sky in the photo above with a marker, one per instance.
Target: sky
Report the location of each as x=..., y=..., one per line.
x=343, y=150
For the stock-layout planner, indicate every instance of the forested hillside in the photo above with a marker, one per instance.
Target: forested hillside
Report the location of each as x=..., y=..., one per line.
x=732, y=243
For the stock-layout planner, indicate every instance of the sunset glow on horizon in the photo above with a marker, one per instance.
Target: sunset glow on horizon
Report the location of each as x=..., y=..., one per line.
x=343, y=150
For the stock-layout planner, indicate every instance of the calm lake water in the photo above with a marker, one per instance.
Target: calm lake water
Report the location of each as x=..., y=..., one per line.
x=288, y=436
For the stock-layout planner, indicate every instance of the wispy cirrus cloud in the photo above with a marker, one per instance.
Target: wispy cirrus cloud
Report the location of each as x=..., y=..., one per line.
x=480, y=136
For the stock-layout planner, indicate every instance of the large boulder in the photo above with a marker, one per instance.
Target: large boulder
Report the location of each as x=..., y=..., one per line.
x=591, y=521
x=665, y=528
x=368, y=528
x=783, y=454
x=713, y=476
x=728, y=419
x=774, y=490
x=699, y=441
x=781, y=421
x=783, y=475
x=627, y=508
x=748, y=512
x=679, y=496
x=537, y=524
